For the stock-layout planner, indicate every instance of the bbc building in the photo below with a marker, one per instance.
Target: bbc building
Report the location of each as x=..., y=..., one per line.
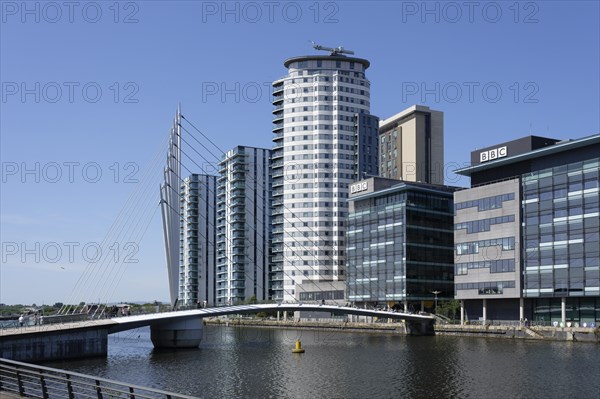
x=526, y=233
x=399, y=244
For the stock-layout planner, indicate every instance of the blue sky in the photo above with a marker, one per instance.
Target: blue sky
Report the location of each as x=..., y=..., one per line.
x=95, y=87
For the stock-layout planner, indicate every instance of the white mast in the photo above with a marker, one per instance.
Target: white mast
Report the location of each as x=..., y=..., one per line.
x=170, y=201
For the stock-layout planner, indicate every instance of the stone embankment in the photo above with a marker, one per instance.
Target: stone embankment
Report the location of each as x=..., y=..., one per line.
x=577, y=334
x=394, y=328
x=521, y=332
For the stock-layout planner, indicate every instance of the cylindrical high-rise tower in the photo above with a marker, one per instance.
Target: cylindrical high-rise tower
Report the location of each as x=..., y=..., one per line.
x=318, y=106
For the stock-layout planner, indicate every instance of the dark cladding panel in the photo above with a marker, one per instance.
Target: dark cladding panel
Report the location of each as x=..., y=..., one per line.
x=532, y=165
x=367, y=142
x=510, y=148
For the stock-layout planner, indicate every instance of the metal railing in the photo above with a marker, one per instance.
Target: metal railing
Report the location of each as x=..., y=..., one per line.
x=30, y=380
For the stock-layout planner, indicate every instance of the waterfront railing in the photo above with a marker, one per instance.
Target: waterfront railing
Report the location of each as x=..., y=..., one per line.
x=35, y=381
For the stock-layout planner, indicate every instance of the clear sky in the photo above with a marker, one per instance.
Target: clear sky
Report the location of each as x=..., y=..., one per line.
x=92, y=87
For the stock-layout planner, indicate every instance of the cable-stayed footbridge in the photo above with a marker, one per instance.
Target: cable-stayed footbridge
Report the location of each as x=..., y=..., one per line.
x=87, y=336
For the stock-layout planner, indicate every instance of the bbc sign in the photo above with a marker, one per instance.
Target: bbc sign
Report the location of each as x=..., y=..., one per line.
x=358, y=187
x=490, y=155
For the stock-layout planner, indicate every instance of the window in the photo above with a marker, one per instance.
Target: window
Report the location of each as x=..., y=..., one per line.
x=467, y=248
x=484, y=204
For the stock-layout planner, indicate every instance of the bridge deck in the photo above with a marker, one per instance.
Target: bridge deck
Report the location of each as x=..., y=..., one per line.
x=130, y=322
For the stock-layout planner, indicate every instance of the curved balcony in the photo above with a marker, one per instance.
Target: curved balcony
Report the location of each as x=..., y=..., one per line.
x=238, y=226
x=240, y=210
x=277, y=164
x=277, y=183
x=278, y=87
x=277, y=220
x=278, y=128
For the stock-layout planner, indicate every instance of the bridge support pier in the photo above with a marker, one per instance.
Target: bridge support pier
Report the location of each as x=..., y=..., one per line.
x=177, y=334
x=48, y=344
x=424, y=327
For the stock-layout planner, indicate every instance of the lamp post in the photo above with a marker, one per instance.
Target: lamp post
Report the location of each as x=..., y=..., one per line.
x=436, y=294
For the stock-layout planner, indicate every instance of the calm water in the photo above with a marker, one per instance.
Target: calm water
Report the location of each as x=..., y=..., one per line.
x=258, y=363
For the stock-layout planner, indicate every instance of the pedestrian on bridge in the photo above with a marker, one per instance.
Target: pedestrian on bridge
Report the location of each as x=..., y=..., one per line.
x=21, y=320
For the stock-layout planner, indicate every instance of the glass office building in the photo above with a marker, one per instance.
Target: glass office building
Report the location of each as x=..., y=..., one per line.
x=399, y=242
x=561, y=257
x=556, y=228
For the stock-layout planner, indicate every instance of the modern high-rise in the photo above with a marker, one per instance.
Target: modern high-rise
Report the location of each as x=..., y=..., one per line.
x=243, y=225
x=411, y=146
x=197, y=240
x=366, y=156
x=527, y=232
x=320, y=105
x=399, y=243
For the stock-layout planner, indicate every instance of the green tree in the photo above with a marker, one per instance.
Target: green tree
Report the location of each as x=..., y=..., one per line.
x=448, y=309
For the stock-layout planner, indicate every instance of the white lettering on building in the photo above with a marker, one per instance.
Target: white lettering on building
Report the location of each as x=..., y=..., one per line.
x=490, y=155
x=358, y=187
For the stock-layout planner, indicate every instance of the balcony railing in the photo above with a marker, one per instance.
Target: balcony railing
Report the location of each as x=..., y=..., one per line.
x=29, y=380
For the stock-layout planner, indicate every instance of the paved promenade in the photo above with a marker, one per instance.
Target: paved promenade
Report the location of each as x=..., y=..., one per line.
x=14, y=331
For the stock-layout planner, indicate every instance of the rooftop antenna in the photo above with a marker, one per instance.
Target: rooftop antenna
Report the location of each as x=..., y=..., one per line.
x=334, y=51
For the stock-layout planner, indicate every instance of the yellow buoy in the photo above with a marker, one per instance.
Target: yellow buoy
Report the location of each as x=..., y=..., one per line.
x=298, y=348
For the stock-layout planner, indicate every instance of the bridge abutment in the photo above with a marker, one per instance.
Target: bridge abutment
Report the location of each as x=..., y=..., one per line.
x=177, y=334
x=41, y=346
x=418, y=327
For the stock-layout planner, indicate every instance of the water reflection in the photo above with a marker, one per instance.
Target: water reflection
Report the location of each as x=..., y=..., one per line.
x=248, y=362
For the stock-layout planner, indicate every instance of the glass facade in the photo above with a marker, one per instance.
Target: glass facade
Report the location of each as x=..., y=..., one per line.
x=321, y=295
x=555, y=237
x=365, y=145
x=561, y=233
x=578, y=310
x=487, y=203
x=494, y=266
x=486, y=287
x=400, y=246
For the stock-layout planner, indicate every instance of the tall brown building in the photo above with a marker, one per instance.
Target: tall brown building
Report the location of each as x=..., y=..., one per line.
x=411, y=145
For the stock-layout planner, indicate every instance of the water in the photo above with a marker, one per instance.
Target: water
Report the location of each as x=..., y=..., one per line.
x=258, y=363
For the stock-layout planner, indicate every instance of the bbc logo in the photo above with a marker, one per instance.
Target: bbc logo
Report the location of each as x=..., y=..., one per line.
x=358, y=187
x=490, y=155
